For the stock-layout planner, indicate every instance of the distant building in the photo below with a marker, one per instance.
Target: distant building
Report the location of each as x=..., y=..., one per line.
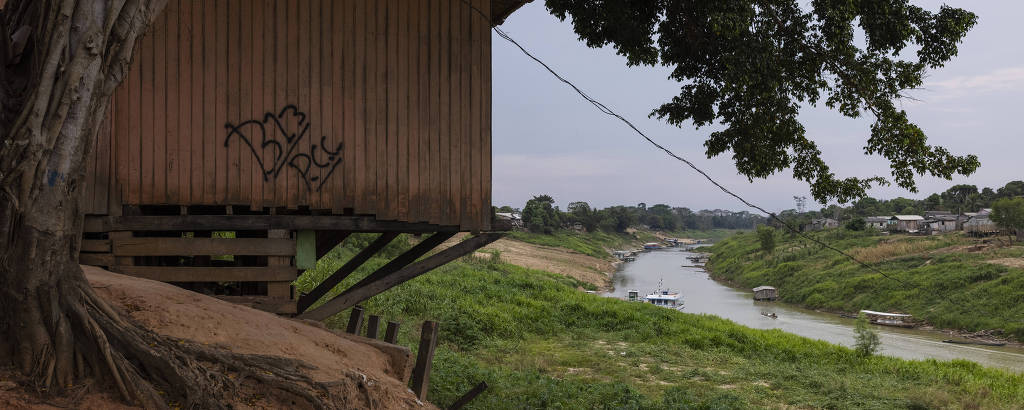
x=822, y=223
x=931, y=214
x=942, y=223
x=878, y=222
x=905, y=223
x=980, y=225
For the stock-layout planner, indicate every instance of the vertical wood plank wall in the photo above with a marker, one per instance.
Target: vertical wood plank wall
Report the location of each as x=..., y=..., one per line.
x=245, y=103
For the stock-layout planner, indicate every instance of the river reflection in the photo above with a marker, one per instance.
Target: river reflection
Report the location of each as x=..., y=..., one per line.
x=701, y=294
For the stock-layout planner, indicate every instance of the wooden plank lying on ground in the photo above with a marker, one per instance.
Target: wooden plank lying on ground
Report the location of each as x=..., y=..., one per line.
x=469, y=396
x=203, y=246
x=212, y=274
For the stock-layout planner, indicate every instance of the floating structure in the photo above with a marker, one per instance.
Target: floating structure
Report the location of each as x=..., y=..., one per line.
x=625, y=256
x=665, y=298
x=889, y=319
x=974, y=342
x=633, y=296
x=766, y=293
x=702, y=258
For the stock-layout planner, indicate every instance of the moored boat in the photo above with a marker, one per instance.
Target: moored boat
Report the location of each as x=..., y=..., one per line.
x=889, y=319
x=974, y=342
x=665, y=298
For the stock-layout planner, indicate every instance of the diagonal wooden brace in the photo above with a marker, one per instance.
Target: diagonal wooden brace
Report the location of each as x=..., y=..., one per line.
x=327, y=240
x=339, y=275
x=380, y=283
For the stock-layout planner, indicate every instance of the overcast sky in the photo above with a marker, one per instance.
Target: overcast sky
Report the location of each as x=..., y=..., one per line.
x=548, y=141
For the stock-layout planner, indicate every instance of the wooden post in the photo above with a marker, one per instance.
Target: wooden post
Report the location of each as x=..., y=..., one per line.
x=120, y=260
x=280, y=290
x=424, y=360
x=355, y=321
x=372, y=326
x=469, y=396
x=391, y=335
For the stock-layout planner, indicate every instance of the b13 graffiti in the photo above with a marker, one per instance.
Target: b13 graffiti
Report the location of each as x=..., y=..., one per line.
x=282, y=150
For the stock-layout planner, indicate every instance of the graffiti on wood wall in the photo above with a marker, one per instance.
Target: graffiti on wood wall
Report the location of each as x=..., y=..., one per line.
x=274, y=143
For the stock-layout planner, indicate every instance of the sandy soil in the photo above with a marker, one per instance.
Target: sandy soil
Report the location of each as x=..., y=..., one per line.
x=557, y=260
x=1011, y=262
x=175, y=312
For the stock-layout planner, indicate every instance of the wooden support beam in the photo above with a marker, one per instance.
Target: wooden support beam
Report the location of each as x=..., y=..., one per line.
x=191, y=223
x=327, y=240
x=359, y=293
x=213, y=274
x=391, y=334
x=424, y=360
x=203, y=246
x=406, y=258
x=355, y=321
x=469, y=396
x=372, y=326
x=339, y=275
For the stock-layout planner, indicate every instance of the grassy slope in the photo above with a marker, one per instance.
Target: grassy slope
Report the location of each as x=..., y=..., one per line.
x=541, y=344
x=596, y=243
x=590, y=243
x=951, y=287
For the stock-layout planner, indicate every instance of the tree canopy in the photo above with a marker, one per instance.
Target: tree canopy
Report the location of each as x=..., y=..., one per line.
x=751, y=65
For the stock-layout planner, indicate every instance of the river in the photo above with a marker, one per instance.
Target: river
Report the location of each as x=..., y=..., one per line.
x=701, y=294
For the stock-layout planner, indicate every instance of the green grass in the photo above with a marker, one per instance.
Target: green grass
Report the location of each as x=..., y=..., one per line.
x=596, y=244
x=949, y=287
x=539, y=343
x=590, y=243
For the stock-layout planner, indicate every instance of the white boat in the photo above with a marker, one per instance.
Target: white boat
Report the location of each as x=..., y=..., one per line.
x=666, y=299
x=889, y=319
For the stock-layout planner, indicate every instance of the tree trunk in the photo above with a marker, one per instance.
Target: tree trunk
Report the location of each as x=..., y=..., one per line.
x=54, y=92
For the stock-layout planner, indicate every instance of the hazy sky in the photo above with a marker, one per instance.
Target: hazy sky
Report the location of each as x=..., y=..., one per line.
x=547, y=140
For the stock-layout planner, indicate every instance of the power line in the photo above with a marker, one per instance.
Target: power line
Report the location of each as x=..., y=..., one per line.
x=608, y=111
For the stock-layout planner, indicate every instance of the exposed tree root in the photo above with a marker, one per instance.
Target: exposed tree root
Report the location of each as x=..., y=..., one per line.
x=91, y=340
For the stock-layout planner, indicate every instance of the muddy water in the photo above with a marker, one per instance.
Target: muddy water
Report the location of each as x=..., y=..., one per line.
x=701, y=294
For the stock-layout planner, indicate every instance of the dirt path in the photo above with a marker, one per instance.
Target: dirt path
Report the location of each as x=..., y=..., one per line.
x=557, y=260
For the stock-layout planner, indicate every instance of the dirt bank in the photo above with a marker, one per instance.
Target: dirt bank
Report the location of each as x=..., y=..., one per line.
x=556, y=260
x=360, y=372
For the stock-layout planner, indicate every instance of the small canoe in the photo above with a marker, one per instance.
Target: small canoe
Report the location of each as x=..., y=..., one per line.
x=771, y=315
x=971, y=342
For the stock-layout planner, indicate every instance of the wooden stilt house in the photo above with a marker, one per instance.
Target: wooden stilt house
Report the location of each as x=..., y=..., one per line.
x=251, y=137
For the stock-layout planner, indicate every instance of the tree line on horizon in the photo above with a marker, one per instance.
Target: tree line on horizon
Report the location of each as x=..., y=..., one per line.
x=540, y=214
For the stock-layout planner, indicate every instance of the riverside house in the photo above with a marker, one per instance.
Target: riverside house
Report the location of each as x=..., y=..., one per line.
x=906, y=223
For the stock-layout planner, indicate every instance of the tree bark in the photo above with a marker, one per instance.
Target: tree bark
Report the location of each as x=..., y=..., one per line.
x=57, y=330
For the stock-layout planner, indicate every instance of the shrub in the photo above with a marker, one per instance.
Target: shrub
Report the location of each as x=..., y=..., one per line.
x=866, y=340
